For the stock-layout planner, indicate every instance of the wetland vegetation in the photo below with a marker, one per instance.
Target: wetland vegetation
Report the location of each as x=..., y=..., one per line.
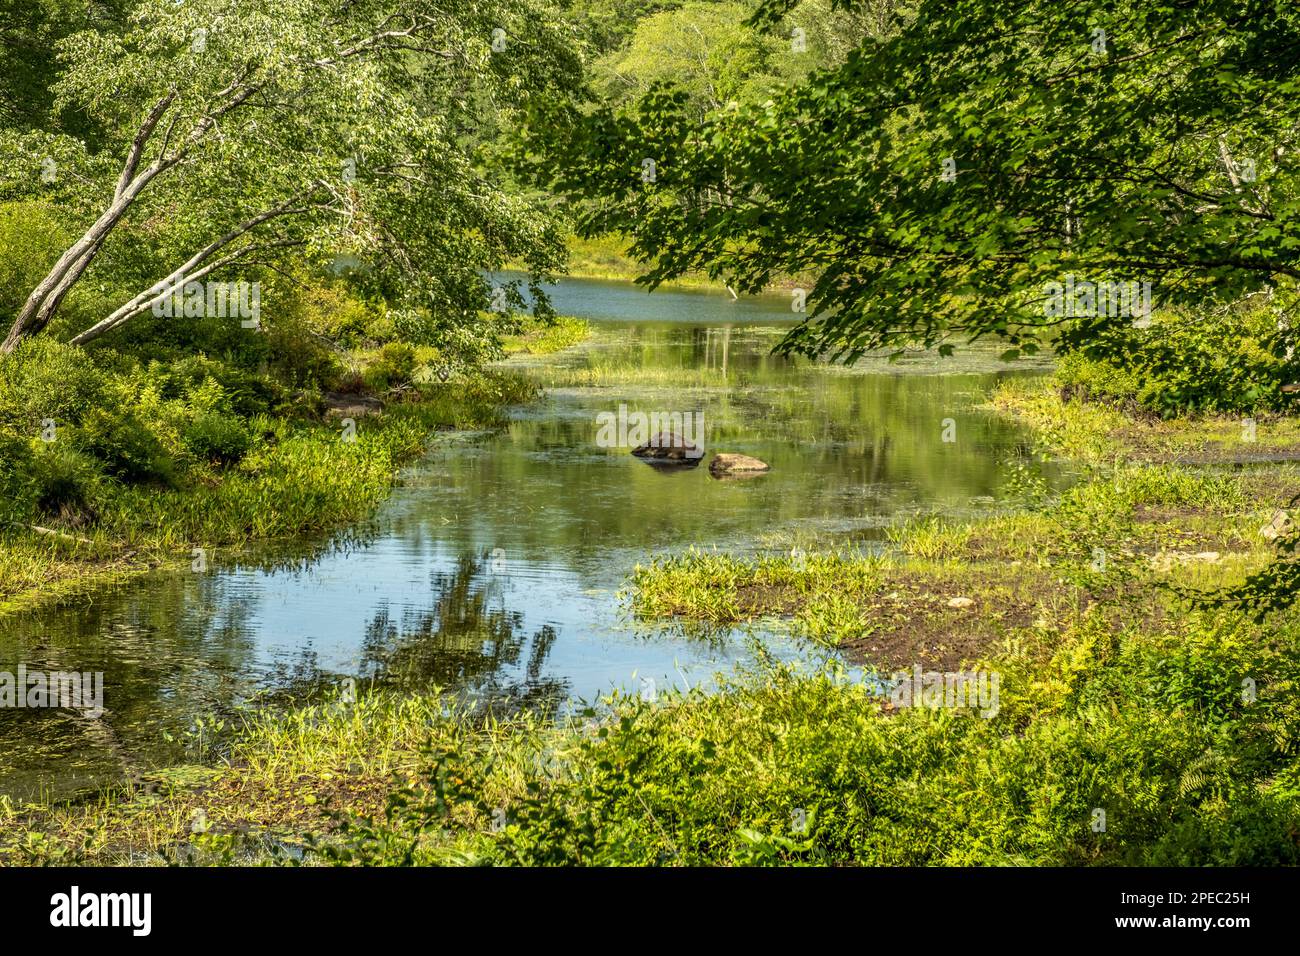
x=366, y=587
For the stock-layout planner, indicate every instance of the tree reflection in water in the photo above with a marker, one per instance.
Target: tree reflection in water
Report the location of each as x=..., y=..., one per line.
x=466, y=640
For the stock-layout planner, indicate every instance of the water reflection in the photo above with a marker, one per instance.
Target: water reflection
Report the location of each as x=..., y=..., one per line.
x=493, y=570
x=465, y=640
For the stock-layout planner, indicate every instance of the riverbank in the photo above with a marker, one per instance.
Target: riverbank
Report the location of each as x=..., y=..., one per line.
x=608, y=258
x=233, y=477
x=1128, y=726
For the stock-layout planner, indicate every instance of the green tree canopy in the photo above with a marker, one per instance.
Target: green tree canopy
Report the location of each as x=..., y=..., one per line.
x=950, y=169
x=238, y=134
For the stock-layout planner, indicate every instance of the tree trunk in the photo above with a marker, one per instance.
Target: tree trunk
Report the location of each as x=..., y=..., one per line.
x=44, y=301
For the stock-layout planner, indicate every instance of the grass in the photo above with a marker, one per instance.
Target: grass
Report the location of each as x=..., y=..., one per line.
x=606, y=257
x=547, y=339
x=299, y=478
x=1092, y=432
x=276, y=782
x=944, y=590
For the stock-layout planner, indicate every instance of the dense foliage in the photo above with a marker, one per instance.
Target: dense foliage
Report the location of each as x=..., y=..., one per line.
x=1234, y=360
x=236, y=137
x=1152, y=728
x=953, y=166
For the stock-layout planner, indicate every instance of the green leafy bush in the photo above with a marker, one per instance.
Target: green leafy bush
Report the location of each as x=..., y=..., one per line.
x=219, y=438
x=65, y=483
x=31, y=240
x=395, y=365
x=44, y=379
x=1232, y=362
x=125, y=444
x=189, y=380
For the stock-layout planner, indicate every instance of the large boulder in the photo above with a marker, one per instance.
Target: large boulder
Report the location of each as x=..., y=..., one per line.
x=667, y=448
x=728, y=465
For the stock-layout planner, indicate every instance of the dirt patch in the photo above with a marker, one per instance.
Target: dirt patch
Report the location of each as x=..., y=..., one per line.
x=339, y=405
x=915, y=618
x=913, y=622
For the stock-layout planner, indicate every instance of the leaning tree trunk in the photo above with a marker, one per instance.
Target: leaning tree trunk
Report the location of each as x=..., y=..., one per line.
x=44, y=300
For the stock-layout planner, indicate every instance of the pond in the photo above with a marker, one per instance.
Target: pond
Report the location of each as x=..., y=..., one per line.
x=495, y=567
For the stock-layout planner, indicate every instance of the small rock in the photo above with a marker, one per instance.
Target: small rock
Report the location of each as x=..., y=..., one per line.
x=1277, y=526
x=960, y=602
x=1209, y=557
x=727, y=465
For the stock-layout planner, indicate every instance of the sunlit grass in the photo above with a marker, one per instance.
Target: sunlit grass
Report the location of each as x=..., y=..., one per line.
x=547, y=339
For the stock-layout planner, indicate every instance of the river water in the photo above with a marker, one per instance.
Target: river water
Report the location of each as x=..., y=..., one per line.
x=495, y=567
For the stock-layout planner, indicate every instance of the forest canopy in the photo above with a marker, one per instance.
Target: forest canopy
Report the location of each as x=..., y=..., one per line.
x=965, y=159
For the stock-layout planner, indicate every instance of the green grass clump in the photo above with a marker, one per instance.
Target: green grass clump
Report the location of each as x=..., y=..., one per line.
x=722, y=589
x=547, y=338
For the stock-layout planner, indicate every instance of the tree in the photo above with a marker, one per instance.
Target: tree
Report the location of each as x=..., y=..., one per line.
x=29, y=31
x=241, y=133
x=941, y=180
x=705, y=48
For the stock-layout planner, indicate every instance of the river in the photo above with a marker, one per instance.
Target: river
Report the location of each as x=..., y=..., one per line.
x=495, y=567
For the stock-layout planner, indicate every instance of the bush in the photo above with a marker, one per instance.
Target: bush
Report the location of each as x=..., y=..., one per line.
x=394, y=366
x=31, y=241
x=191, y=380
x=15, y=467
x=1230, y=363
x=65, y=483
x=218, y=438
x=44, y=379
x=126, y=446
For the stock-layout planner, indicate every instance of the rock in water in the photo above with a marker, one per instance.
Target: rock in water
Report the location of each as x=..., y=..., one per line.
x=667, y=448
x=727, y=465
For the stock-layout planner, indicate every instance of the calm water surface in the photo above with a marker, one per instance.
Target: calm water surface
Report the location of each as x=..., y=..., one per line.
x=494, y=569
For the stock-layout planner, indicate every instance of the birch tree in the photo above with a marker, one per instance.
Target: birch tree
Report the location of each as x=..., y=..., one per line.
x=239, y=133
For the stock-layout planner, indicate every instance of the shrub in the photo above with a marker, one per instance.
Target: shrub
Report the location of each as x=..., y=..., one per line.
x=65, y=483
x=44, y=379
x=1232, y=362
x=31, y=241
x=15, y=467
x=126, y=446
x=218, y=438
x=394, y=366
x=190, y=381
